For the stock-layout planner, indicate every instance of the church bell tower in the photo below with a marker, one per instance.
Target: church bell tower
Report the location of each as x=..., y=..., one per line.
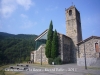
x=73, y=30
x=73, y=24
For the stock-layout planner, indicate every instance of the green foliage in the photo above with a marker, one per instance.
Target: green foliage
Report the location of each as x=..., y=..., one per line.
x=27, y=58
x=2, y=72
x=54, y=50
x=50, y=60
x=49, y=41
x=50, y=32
x=48, y=49
x=57, y=61
x=15, y=48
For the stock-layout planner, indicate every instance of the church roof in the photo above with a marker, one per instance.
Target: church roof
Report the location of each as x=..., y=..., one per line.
x=91, y=37
x=43, y=33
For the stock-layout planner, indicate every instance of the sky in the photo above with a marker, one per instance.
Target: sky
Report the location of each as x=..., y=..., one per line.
x=34, y=16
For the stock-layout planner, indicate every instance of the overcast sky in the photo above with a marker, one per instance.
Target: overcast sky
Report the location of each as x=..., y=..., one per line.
x=34, y=16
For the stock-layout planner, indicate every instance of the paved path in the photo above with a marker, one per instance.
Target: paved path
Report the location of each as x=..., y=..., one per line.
x=67, y=69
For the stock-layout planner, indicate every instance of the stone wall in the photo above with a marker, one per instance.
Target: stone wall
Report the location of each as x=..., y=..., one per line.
x=65, y=48
x=73, y=30
x=89, y=62
x=73, y=25
x=89, y=48
x=91, y=54
x=32, y=56
x=37, y=55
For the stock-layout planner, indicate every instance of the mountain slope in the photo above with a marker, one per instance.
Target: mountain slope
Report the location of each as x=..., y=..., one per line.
x=15, y=48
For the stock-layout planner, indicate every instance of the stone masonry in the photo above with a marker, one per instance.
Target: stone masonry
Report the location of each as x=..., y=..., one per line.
x=39, y=55
x=73, y=28
x=65, y=48
x=67, y=44
x=90, y=50
x=73, y=24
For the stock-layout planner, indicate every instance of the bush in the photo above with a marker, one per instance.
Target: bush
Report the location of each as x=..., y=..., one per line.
x=57, y=61
x=50, y=60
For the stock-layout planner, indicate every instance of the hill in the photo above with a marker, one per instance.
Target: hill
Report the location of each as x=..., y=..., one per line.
x=15, y=48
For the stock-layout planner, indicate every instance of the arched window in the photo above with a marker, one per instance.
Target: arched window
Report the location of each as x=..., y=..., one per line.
x=96, y=47
x=70, y=12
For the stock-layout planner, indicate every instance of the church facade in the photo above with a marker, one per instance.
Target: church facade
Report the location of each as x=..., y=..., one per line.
x=70, y=45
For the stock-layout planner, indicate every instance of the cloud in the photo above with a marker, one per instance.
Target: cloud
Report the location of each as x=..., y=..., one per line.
x=28, y=25
x=7, y=7
x=25, y=3
x=23, y=15
x=50, y=8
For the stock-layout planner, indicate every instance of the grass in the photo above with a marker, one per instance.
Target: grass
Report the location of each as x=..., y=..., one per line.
x=13, y=73
x=2, y=72
x=89, y=74
x=2, y=67
x=43, y=65
x=95, y=68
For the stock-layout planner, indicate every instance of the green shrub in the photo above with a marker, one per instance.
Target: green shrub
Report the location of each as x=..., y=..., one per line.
x=2, y=72
x=57, y=61
x=50, y=60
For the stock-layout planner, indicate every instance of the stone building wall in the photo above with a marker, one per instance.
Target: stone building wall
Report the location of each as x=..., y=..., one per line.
x=32, y=56
x=73, y=25
x=65, y=48
x=73, y=29
x=91, y=54
x=37, y=55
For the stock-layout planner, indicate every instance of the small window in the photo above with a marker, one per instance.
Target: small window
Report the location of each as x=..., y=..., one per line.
x=96, y=47
x=70, y=12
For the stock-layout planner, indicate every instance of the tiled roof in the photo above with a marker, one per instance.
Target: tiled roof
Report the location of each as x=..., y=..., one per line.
x=95, y=37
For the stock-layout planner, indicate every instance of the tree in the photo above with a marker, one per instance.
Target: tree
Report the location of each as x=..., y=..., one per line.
x=49, y=41
x=54, y=50
x=12, y=46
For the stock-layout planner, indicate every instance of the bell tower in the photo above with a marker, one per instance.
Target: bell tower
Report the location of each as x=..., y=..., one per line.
x=73, y=24
x=73, y=30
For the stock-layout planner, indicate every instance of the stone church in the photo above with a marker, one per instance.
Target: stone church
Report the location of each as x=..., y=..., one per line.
x=71, y=48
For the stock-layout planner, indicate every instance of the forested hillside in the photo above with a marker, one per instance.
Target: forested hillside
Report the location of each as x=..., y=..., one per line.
x=15, y=48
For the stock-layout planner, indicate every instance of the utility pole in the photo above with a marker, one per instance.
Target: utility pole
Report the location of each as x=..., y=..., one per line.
x=41, y=55
x=85, y=56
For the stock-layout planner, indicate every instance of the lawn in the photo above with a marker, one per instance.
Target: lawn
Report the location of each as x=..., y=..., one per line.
x=2, y=72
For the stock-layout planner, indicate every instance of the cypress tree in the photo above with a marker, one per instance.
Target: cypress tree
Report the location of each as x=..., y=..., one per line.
x=54, y=50
x=49, y=41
